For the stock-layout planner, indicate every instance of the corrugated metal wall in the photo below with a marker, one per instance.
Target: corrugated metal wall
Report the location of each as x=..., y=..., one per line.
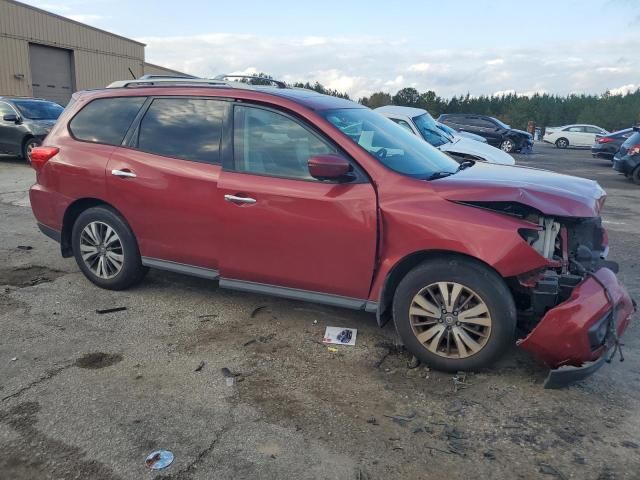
x=100, y=57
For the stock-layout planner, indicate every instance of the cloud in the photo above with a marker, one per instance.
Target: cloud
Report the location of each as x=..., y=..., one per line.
x=420, y=67
x=624, y=89
x=361, y=65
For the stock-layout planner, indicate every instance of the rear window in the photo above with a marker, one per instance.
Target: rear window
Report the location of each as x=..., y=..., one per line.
x=106, y=120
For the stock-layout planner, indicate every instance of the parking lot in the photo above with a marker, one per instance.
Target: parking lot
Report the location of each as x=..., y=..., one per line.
x=88, y=395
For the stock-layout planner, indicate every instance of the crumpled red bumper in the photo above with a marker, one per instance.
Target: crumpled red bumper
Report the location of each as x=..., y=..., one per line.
x=574, y=332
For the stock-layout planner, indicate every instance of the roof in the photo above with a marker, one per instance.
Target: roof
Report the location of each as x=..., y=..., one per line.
x=308, y=98
x=398, y=110
x=60, y=17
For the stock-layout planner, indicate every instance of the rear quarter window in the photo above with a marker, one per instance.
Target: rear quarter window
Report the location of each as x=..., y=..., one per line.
x=105, y=120
x=632, y=140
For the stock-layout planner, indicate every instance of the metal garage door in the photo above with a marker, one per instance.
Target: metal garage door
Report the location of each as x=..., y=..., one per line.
x=51, y=73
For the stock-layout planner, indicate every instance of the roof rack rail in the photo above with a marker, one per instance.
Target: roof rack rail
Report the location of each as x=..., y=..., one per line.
x=142, y=82
x=277, y=83
x=150, y=76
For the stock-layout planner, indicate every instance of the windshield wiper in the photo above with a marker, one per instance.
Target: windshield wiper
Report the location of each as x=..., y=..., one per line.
x=437, y=175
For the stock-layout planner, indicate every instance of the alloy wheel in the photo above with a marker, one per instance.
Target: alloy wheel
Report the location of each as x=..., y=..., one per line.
x=101, y=250
x=507, y=146
x=450, y=320
x=29, y=149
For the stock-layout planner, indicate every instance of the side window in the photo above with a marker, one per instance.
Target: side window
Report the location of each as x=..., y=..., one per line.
x=574, y=129
x=484, y=123
x=268, y=143
x=5, y=109
x=403, y=124
x=106, y=120
x=593, y=130
x=185, y=128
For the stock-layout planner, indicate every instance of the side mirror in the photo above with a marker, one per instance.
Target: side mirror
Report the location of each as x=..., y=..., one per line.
x=328, y=167
x=11, y=117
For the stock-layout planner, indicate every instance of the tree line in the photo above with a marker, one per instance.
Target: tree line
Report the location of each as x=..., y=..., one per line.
x=612, y=112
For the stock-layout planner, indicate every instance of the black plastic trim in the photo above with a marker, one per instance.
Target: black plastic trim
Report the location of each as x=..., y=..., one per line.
x=564, y=376
x=176, y=267
x=52, y=233
x=295, y=294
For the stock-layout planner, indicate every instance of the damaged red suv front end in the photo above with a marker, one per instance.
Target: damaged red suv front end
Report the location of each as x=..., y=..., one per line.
x=572, y=310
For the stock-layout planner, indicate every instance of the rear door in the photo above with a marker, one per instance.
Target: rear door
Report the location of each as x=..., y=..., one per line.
x=284, y=231
x=164, y=181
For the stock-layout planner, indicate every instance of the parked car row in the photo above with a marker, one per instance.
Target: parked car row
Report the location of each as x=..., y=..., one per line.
x=24, y=123
x=627, y=158
x=324, y=200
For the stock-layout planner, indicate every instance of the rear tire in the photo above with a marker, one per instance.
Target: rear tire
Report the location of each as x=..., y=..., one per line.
x=27, y=147
x=480, y=314
x=106, y=250
x=562, y=143
x=635, y=175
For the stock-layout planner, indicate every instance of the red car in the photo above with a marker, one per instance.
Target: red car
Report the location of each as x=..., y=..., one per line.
x=285, y=191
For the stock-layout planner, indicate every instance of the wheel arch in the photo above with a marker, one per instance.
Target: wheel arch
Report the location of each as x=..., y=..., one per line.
x=25, y=139
x=404, y=266
x=72, y=212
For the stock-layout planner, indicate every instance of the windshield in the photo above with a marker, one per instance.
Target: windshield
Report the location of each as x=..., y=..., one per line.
x=391, y=144
x=38, y=109
x=429, y=130
x=502, y=124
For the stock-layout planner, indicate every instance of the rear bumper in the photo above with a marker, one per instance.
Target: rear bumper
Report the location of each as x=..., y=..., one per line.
x=601, y=152
x=624, y=164
x=575, y=332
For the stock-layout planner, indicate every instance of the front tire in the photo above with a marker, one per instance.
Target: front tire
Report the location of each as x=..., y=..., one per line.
x=27, y=147
x=454, y=314
x=507, y=146
x=106, y=250
x=635, y=175
x=562, y=143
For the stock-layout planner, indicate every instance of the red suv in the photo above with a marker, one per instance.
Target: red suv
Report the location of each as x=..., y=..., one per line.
x=285, y=191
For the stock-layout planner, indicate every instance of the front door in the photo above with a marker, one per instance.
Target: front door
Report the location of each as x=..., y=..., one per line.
x=10, y=133
x=284, y=228
x=165, y=183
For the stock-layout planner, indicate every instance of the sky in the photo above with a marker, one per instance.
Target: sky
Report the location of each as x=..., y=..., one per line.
x=451, y=47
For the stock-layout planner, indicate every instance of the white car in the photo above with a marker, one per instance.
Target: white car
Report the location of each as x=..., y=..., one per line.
x=421, y=123
x=573, y=135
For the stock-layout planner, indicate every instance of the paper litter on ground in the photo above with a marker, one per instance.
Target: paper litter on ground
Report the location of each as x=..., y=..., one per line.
x=333, y=335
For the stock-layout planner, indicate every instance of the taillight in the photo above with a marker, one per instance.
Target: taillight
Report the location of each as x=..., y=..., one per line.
x=41, y=155
x=634, y=150
x=604, y=140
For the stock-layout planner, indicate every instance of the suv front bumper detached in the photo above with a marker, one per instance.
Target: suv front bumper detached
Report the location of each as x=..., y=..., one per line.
x=574, y=337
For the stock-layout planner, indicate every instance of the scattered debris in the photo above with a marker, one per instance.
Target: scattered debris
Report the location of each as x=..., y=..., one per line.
x=579, y=459
x=25, y=247
x=413, y=363
x=390, y=348
x=629, y=444
x=372, y=420
x=340, y=336
x=102, y=311
x=489, y=455
x=14, y=359
x=315, y=322
x=158, y=460
x=249, y=342
x=230, y=377
x=402, y=420
x=549, y=470
x=257, y=310
x=437, y=450
x=200, y=366
x=207, y=317
x=332, y=349
x=460, y=381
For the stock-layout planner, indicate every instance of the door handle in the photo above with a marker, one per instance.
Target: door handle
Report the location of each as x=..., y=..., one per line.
x=235, y=199
x=123, y=173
